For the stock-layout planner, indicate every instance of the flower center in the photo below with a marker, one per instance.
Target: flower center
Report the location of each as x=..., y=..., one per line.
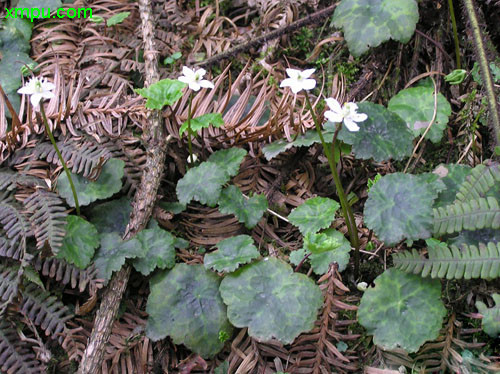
x=38, y=87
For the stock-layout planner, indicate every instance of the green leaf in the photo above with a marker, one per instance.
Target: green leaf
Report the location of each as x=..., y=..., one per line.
x=31, y=274
x=271, y=300
x=113, y=252
x=416, y=106
x=79, y=243
x=108, y=183
x=185, y=304
x=248, y=211
x=452, y=176
x=311, y=137
x=336, y=249
x=111, y=216
x=96, y=19
x=202, y=183
x=368, y=23
x=315, y=214
x=270, y=151
x=228, y=160
x=117, y=18
x=15, y=35
x=382, y=136
x=491, y=316
x=202, y=122
x=10, y=75
x=400, y=206
x=161, y=93
x=173, y=207
x=158, y=246
x=402, y=310
x=231, y=253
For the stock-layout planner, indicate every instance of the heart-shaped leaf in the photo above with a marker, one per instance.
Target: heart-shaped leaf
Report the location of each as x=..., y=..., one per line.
x=248, y=211
x=202, y=183
x=384, y=135
x=111, y=216
x=315, y=214
x=113, y=252
x=159, y=248
x=271, y=300
x=335, y=248
x=185, y=304
x=161, y=93
x=79, y=243
x=202, y=122
x=229, y=160
x=108, y=183
x=415, y=105
x=402, y=310
x=311, y=137
x=231, y=253
x=400, y=206
x=491, y=316
x=368, y=23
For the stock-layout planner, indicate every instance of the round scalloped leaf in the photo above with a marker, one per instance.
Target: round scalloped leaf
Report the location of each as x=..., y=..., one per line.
x=382, y=136
x=113, y=252
x=231, y=253
x=185, y=304
x=164, y=92
x=15, y=35
x=315, y=214
x=108, y=183
x=111, y=216
x=159, y=250
x=368, y=23
x=202, y=122
x=270, y=151
x=452, y=176
x=248, y=211
x=491, y=316
x=402, y=310
x=202, y=183
x=400, y=206
x=415, y=105
x=79, y=243
x=271, y=300
x=338, y=253
x=228, y=160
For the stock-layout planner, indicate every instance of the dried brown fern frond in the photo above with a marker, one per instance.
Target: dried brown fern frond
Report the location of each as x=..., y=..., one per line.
x=48, y=218
x=68, y=274
x=9, y=282
x=15, y=228
x=16, y=355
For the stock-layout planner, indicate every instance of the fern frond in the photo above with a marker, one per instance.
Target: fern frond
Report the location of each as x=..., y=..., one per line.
x=45, y=310
x=9, y=179
x=81, y=157
x=16, y=228
x=471, y=215
x=451, y=262
x=479, y=182
x=48, y=218
x=16, y=356
x=9, y=281
x=66, y=273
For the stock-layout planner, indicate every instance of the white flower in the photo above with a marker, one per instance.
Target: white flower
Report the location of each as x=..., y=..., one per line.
x=362, y=286
x=194, y=79
x=299, y=80
x=38, y=89
x=193, y=159
x=347, y=113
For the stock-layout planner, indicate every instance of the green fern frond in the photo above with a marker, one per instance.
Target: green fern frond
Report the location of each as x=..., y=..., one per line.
x=451, y=262
x=45, y=310
x=84, y=157
x=48, y=218
x=481, y=179
x=16, y=356
x=474, y=214
x=16, y=228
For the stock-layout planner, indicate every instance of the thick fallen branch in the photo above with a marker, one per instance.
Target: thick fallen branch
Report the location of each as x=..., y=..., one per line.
x=155, y=140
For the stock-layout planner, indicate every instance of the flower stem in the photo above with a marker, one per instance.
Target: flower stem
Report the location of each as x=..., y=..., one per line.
x=346, y=208
x=66, y=170
x=455, y=33
x=190, y=146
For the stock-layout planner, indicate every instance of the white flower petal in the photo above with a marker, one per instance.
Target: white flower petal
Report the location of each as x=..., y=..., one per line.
x=184, y=79
x=334, y=105
x=288, y=82
x=200, y=73
x=307, y=73
x=308, y=84
x=333, y=116
x=351, y=125
x=358, y=117
x=353, y=107
x=194, y=86
x=25, y=90
x=35, y=99
x=187, y=72
x=296, y=88
x=293, y=73
x=47, y=95
x=48, y=86
x=206, y=84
